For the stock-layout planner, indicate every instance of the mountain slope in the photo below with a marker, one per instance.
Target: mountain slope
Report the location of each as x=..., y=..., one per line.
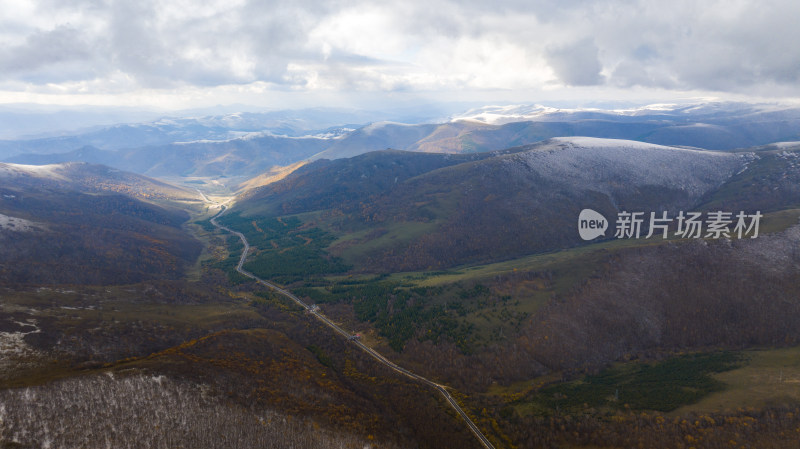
x=356, y=180
x=528, y=201
x=84, y=177
x=451, y=210
x=83, y=224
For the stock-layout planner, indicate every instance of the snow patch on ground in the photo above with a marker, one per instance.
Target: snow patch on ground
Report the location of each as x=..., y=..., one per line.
x=14, y=352
x=8, y=223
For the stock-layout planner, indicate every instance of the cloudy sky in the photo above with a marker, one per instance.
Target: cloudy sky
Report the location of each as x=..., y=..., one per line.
x=176, y=54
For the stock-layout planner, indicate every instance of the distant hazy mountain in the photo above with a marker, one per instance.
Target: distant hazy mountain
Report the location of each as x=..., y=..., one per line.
x=691, y=112
x=27, y=121
x=89, y=178
x=293, y=123
x=245, y=145
x=160, y=132
x=715, y=126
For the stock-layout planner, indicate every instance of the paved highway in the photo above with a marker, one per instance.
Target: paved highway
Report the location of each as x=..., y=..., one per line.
x=375, y=354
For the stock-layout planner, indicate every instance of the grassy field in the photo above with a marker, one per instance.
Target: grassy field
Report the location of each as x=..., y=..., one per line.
x=779, y=221
x=356, y=246
x=213, y=247
x=720, y=382
x=126, y=304
x=536, y=262
x=767, y=378
x=661, y=386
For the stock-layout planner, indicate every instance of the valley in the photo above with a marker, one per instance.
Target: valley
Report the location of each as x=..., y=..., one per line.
x=313, y=310
x=483, y=320
x=384, y=225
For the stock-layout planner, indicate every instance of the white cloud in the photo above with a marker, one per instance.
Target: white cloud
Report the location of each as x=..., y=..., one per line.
x=576, y=64
x=42, y=50
x=99, y=47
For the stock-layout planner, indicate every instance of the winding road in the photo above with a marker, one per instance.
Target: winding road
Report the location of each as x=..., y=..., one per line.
x=376, y=355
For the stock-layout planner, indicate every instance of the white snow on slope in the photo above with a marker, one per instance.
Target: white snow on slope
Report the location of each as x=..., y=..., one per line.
x=40, y=171
x=245, y=136
x=597, y=142
x=607, y=164
x=782, y=145
x=8, y=223
x=15, y=353
x=375, y=126
x=500, y=115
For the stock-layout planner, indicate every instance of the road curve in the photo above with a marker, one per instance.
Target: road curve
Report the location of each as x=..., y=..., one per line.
x=375, y=354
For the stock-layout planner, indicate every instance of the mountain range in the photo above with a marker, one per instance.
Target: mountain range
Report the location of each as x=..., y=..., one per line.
x=245, y=145
x=449, y=246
